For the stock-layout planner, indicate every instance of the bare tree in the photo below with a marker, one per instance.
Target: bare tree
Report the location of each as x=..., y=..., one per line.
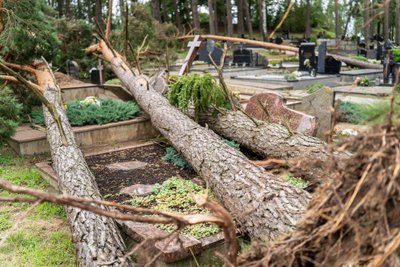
x=229, y=22
x=156, y=10
x=195, y=15
x=240, y=17
x=308, y=19
x=211, y=17
x=367, y=23
x=386, y=19
x=263, y=20
x=248, y=16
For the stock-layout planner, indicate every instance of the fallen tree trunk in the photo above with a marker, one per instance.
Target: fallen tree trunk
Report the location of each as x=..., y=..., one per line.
x=96, y=238
x=274, y=141
x=263, y=204
x=347, y=60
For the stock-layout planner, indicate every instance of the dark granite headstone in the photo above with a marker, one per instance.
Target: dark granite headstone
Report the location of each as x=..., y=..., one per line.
x=278, y=40
x=362, y=49
x=216, y=55
x=379, y=51
x=259, y=60
x=321, y=57
x=95, y=76
x=332, y=66
x=307, y=53
x=242, y=56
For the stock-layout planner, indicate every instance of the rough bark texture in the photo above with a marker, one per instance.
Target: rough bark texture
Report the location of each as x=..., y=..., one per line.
x=386, y=19
x=195, y=15
x=211, y=16
x=156, y=10
x=262, y=203
x=96, y=238
x=274, y=141
x=263, y=20
x=240, y=16
x=248, y=17
x=367, y=24
x=308, y=19
x=229, y=17
x=337, y=21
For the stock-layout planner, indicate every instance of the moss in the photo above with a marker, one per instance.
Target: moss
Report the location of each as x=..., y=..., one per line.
x=295, y=181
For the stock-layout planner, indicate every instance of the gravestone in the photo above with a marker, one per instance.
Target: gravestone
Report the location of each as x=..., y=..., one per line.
x=332, y=66
x=379, y=51
x=362, y=49
x=259, y=60
x=242, y=56
x=321, y=57
x=278, y=40
x=216, y=53
x=319, y=104
x=271, y=107
x=307, y=53
x=73, y=68
x=95, y=76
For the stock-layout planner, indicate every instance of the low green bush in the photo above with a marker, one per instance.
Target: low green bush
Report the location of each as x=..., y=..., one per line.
x=201, y=91
x=108, y=110
x=175, y=158
x=396, y=55
x=10, y=114
x=176, y=195
x=362, y=113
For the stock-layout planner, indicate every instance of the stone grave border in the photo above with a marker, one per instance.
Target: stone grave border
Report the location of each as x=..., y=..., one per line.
x=174, y=251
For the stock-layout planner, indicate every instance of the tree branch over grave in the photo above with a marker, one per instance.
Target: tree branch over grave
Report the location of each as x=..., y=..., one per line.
x=219, y=215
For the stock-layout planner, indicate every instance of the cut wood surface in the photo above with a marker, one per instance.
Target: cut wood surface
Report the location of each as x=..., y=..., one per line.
x=263, y=204
x=347, y=60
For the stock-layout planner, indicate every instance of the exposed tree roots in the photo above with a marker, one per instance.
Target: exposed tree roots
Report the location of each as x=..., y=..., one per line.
x=354, y=220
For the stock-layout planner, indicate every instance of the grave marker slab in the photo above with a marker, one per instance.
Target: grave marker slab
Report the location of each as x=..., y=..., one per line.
x=271, y=107
x=321, y=57
x=242, y=56
x=307, y=52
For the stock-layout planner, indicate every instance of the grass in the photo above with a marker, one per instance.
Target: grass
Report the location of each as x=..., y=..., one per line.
x=366, y=114
x=42, y=238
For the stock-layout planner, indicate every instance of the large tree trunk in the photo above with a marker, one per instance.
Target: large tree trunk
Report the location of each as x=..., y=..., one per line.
x=274, y=141
x=99, y=14
x=337, y=22
x=156, y=10
x=386, y=19
x=195, y=15
x=240, y=17
x=349, y=16
x=248, y=17
x=367, y=23
x=97, y=239
x=68, y=8
x=347, y=60
x=263, y=20
x=308, y=19
x=211, y=16
x=229, y=17
x=398, y=22
x=262, y=203
x=177, y=15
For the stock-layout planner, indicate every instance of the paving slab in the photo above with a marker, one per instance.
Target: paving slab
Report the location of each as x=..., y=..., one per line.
x=127, y=165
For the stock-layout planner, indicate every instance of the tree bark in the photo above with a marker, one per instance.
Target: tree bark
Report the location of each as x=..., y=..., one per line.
x=177, y=15
x=60, y=8
x=308, y=19
x=398, y=22
x=68, y=8
x=156, y=10
x=248, y=17
x=262, y=203
x=216, y=16
x=229, y=17
x=386, y=19
x=96, y=238
x=274, y=141
x=240, y=17
x=349, y=16
x=211, y=16
x=263, y=20
x=195, y=15
x=347, y=60
x=99, y=14
x=367, y=23
x=337, y=21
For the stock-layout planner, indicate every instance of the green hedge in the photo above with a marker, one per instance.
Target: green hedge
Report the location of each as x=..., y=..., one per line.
x=80, y=114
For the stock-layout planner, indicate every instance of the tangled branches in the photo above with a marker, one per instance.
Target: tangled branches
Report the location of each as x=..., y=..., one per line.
x=354, y=220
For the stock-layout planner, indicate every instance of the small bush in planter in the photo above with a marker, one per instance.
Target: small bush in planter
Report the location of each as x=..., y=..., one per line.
x=363, y=82
x=99, y=112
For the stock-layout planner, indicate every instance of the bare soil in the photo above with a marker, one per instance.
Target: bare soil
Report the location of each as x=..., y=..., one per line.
x=111, y=181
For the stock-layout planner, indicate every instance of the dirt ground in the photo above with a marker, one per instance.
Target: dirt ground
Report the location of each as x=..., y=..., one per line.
x=111, y=181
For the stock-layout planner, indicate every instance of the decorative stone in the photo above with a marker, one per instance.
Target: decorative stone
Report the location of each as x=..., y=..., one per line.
x=271, y=107
x=138, y=190
x=127, y=165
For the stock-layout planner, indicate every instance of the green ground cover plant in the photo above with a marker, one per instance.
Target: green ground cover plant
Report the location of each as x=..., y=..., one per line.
x=108, y=110
x=295, y=181
x=312, y=88
x=176, y=195
x=10, y=114
x=364, y=113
